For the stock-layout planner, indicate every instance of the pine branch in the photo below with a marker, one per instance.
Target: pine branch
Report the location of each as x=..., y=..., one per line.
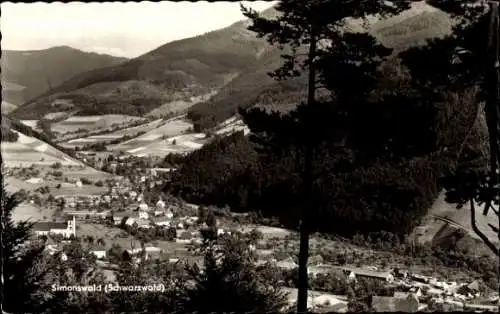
x=475, y=228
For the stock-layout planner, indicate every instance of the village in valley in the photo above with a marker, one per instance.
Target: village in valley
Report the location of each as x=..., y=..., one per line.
x=117, y=215
x=161, y=165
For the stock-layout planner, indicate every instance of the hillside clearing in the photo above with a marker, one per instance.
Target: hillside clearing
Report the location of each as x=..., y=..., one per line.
x=168, y=135
x=91, y=123
x=29, y=150
x=441, y=212
x=180, y=105
x=27, y=211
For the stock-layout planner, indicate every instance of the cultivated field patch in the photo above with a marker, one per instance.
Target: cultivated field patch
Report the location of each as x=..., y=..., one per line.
x=441, y=212
x=180, y=144
x=27, y=211
x=91, y=123
x=30, y=123
x=180, y=105
x=29, y=151
x=154, y=141
x=130, y=131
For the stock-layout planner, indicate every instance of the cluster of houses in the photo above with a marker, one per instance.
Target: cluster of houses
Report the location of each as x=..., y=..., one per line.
x=419, y=291
x=38, y=180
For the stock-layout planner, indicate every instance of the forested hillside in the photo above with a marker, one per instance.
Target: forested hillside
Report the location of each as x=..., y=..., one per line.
x=36, y=72
x=255, y=87
x=232, y=62
x=378, y=147
x=175, y=71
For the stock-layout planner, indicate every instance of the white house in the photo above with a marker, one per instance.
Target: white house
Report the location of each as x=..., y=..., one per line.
x=130, y=221
x=100, y=253
x=143, y=206
x=160, y=204
x=143, y=215
x=221, y=231
x=78, y=184
x=356, y=273
x=34, y=180
x=158, y=213
x=163, y=223
x=64, y=257
x=169, y=214
x=67, y=229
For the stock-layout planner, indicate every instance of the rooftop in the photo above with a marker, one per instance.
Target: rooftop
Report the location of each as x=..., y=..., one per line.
x=49, y=225
x=368, y=273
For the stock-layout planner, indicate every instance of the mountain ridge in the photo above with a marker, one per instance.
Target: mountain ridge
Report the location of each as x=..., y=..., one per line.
x=230, y=63
x=36, y=71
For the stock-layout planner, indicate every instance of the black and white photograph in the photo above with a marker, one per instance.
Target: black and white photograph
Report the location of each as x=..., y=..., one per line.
x=324, y=156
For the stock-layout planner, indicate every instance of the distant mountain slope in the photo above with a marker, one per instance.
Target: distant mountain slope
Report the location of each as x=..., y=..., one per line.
x=230, y=63
x=175, y=71
x=31, y=73
x=255, y=87
x=413, y=30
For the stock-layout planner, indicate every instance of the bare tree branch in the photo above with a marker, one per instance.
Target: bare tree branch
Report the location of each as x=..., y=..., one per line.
x=485, y=239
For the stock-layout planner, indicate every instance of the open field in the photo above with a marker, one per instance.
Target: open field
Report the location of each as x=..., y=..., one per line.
x=55, y=115
x=166, y=138
x=57, y=186
x=13, y=184
x=68, y=189
x=441, y=212
x=180, y=105
x=140, y=128
x=30, y=212
x=30, y=123
x=232, y=125
x=130, y=131
x=29, y=150
x=10, y=86
x=7, y=107
x=90, y=123
x=109, y=234
x=114, y=235
x=179, y=144
x=172, y=127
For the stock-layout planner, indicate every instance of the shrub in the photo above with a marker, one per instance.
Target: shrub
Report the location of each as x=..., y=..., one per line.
x=85, y=181
x=56, y=165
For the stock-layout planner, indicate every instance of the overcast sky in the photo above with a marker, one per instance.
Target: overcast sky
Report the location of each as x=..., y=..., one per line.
x=123, y=29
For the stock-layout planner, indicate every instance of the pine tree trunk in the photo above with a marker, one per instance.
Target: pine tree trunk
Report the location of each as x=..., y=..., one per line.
x=492, y=108
x=307, y=212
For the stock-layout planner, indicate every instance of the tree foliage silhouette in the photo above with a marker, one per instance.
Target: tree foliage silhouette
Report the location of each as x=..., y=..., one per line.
x=229, y=280
x=314, y=37
x=467, y=59
x=23, y=278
